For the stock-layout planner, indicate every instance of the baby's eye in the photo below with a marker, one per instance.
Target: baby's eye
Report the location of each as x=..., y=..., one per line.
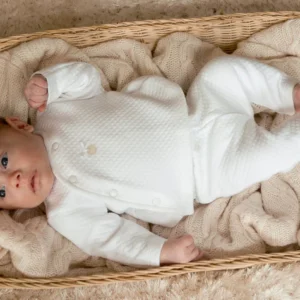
x=2, y=192
x=4, y=161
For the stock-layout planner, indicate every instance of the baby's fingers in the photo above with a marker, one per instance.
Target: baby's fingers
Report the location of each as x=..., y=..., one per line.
x=37, y=101
x=37, y=90
x=187, y=240
x=39, y=80
x=197, y=254
x=42, y=108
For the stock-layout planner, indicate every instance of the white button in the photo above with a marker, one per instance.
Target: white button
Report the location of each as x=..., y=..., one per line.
x=91, y=149
x=156, y=201
x=55, y=146
x=73, y=179
x=113, y=193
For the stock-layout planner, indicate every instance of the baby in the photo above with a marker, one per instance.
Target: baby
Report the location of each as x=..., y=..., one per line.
x=146, y=151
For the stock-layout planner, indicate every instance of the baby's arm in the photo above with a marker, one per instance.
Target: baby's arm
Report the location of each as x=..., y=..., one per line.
x=68, y=81
x=99, y=233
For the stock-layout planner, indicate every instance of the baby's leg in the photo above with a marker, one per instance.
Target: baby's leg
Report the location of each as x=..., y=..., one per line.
x=230, y=151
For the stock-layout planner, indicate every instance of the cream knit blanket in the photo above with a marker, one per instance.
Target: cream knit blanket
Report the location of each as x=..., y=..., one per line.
x=263, y=218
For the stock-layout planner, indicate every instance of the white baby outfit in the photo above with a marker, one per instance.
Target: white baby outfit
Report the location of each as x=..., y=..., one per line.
x=143, y=151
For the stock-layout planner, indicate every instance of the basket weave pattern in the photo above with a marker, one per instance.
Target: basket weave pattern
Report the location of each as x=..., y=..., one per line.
x=222, y=31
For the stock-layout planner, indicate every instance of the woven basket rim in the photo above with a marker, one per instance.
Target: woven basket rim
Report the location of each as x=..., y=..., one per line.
x=154, y=22
x=237, y=262
x=223, y=264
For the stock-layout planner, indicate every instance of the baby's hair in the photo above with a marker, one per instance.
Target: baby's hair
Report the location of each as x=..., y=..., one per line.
x=3, y=121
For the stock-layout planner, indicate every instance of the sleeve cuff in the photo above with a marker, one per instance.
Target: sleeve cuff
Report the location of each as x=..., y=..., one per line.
x=155, y=244
x=288, y=85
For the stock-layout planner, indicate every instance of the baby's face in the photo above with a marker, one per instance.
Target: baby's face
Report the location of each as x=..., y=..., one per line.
x=26, y=177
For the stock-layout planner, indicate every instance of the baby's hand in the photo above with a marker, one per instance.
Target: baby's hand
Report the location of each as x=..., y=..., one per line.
x=180, y=250
x=36, y=92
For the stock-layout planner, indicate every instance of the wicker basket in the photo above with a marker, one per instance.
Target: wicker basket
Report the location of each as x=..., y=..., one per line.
x=222, y=31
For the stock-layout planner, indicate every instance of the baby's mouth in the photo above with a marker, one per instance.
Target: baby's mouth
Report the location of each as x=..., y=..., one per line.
x=33, y=182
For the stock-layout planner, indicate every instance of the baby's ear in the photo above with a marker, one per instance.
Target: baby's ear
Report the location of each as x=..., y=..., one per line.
x=18, y=124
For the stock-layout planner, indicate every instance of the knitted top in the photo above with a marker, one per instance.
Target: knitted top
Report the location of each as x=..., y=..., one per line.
x=116, y=152
x=130, y=152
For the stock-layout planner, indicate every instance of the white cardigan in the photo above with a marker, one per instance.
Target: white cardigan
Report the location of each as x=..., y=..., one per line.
x=130, y=151
x=113, y=153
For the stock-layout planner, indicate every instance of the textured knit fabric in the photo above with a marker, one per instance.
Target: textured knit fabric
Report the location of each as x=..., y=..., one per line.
x=230, y=151
x=125, y=151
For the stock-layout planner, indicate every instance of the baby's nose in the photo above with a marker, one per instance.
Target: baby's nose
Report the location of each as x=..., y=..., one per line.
x=16, y=179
